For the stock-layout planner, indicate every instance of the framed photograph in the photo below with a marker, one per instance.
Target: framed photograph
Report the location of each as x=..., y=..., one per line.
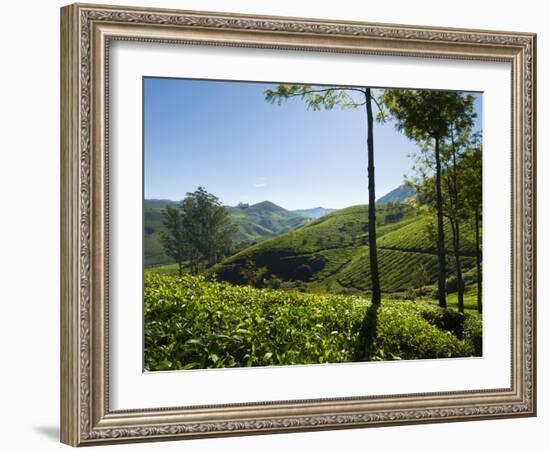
x=276, y=224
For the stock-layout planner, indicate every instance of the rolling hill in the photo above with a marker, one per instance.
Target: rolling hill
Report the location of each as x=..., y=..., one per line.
x=255, y=223
x=331, y=254
x=153, y=254
x=263, y=220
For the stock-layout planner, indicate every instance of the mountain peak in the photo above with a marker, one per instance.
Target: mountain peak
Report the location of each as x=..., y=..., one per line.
x=266, y=204
x=398, y=194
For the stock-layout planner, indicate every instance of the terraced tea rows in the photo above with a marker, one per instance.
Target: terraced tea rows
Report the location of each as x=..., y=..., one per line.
x=331, y=254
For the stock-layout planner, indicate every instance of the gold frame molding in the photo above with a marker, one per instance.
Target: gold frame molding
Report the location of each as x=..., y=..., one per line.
x=86, y=31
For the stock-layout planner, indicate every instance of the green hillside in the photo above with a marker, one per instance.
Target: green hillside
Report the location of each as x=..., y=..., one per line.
x=420, y=236
x=263, y=220
x=331, y=254
x=152, y=224
x=255, y=223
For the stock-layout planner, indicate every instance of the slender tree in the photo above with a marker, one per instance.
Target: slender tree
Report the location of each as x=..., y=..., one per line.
x=459, y=185
x=318, y=98
x=426, y=116
x=455, y=207
x=173, y=239
x=472, y=165
x=462, y=176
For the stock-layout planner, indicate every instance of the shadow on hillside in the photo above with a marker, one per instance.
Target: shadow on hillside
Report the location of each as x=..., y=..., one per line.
x=367, y=336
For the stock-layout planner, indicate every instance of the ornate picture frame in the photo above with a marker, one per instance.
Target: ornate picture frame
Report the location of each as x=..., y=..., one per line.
x=87, y=31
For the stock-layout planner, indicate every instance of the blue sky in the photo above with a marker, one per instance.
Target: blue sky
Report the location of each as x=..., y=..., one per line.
x=226, y=137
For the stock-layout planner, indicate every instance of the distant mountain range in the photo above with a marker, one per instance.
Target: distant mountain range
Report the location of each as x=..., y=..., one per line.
x=263, y=220
x=321, y=250
x=399, y=194
x=255, y=223
x=314, y=213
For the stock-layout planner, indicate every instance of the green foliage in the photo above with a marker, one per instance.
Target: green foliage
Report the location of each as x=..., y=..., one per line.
x=446, y=319
x=326, y=233
x=174, y=240
x=468, y=327
x=398, y=270
x=436, y=120
x=335, y=248
x=252, y=275
x=419, y=235
x=471, y=166
x=263, y=220
x=254, y=223
x=327, y=97
x=427, y=114
x=316, y=97
x=470, y=299
x=153, y=251
x=193, y=323
x=208, y=227
x=473, y=332
x=198, y=230
x=402, y=333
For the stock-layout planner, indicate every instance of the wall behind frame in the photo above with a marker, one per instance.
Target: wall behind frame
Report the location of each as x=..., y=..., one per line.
x=29, y=224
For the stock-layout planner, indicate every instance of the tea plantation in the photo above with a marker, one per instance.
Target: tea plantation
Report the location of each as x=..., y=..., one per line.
x=193, y=323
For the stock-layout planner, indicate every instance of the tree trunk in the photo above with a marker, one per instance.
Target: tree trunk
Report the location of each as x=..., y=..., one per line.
x=458, y=266
x=180, y=268
x=376, y=297
x=456, y=232
x=194, y=265
x=441, y=295
x=211, y=260
x=478, y=262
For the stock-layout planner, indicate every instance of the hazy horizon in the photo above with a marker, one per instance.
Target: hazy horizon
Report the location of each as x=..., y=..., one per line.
x=271, y=201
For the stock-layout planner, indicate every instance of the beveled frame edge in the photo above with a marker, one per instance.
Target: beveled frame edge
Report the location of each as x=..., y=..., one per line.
x=85, y=33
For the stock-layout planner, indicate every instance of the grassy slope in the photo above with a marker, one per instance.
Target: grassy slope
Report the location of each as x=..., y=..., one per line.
x=193, y=323
x=420, y=236
x=335, y=247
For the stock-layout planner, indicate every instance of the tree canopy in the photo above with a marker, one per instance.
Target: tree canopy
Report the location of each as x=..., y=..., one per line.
x=429, y=118
x=200, y=231
x=427, y=114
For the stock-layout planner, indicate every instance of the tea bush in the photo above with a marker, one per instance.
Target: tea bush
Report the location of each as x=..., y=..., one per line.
x=194, y=323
